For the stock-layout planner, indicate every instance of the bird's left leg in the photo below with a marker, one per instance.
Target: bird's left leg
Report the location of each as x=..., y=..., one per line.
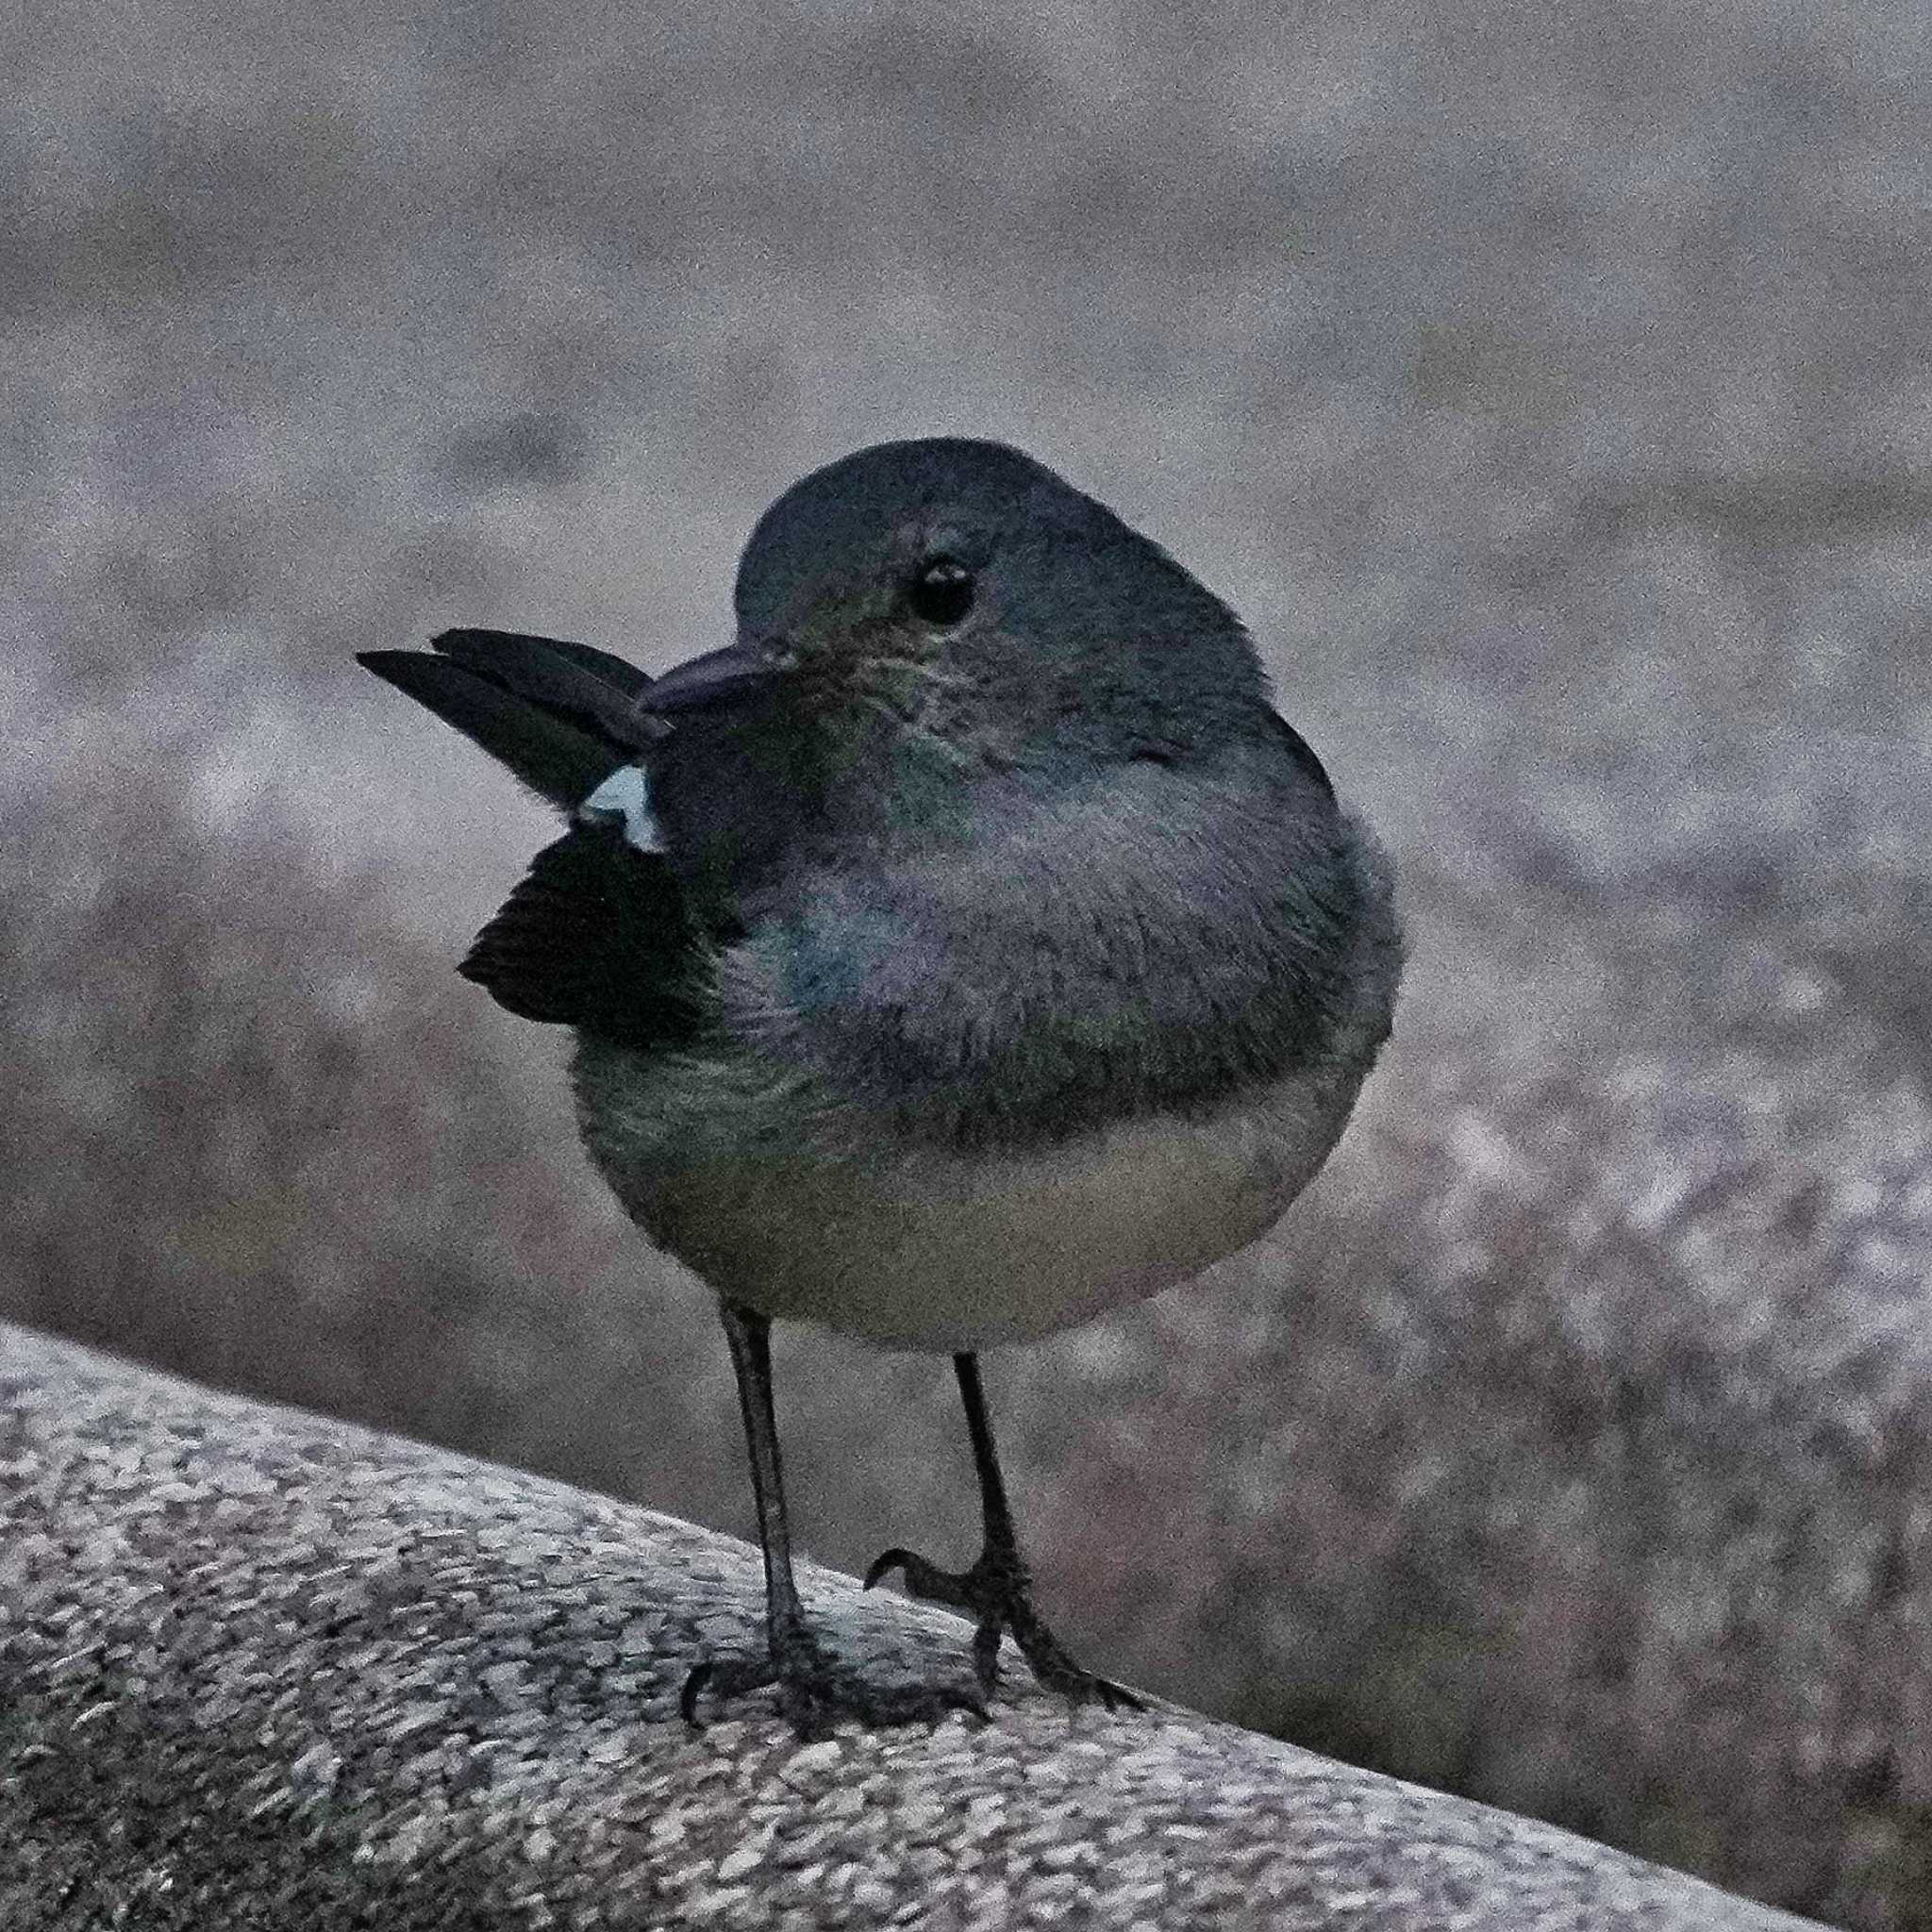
x=998, y=1589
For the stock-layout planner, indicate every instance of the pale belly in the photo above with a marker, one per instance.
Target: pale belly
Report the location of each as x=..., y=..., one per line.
x=938, y=1250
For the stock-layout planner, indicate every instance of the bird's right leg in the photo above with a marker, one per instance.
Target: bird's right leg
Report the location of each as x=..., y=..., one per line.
x=814, y=1688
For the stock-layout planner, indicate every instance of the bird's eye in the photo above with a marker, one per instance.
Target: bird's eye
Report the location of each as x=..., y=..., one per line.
x=941, y=593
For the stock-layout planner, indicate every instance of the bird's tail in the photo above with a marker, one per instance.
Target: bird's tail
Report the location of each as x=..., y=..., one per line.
x=561, y=716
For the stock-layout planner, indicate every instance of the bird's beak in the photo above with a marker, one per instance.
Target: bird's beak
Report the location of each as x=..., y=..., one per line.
x=710, y=683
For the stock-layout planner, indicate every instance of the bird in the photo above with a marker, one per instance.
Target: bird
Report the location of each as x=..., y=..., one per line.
x=966, y=948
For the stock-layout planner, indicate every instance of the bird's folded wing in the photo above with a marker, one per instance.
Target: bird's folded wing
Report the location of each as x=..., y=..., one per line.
x=596, y=936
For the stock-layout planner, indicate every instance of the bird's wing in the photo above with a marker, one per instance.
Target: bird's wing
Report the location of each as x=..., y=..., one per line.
x=598, y=934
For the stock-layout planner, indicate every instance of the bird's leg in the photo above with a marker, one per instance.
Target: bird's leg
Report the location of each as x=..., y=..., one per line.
x=814, y=1690
x=998, y=1590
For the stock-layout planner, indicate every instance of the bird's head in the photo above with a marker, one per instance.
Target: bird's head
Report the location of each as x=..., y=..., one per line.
x=934, y=613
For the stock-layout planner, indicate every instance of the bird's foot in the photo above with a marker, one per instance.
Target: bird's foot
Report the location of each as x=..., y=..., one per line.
x=815, y=1689
x=998, y=1594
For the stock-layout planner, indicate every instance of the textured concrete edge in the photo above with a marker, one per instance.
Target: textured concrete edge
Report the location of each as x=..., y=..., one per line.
x=386, y=1666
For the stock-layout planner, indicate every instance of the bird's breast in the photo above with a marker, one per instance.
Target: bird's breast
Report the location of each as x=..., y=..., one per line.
x=914, y=1247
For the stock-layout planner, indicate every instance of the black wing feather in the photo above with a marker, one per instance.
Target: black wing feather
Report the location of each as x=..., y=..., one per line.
x=561, y=716
x=596, y=936
x=559, y=760
x=548, y=671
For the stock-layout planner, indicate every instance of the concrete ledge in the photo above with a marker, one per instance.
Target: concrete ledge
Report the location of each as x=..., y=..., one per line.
x=259, y=1668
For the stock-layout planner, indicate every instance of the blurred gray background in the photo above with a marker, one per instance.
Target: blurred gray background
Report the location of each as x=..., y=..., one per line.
x=1551, y=389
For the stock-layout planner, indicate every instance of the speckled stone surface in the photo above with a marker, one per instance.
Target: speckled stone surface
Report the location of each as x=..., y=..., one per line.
x=261, y=1669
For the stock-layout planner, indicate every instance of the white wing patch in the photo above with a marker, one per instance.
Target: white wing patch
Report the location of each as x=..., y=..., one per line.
x=626, y=795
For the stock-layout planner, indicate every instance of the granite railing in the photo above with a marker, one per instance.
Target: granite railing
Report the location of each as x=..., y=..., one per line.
x=263, y=1670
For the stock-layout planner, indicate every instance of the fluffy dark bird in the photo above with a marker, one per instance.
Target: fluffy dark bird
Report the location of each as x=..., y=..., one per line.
x=965, y=950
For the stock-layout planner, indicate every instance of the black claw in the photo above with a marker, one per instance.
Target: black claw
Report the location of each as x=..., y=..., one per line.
x=972, y=1706
x=884, y=1564
x=1082, y=1687
x=986, y=1654
x=815, y=1691
x=699, y=1677
x=997, y=1594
